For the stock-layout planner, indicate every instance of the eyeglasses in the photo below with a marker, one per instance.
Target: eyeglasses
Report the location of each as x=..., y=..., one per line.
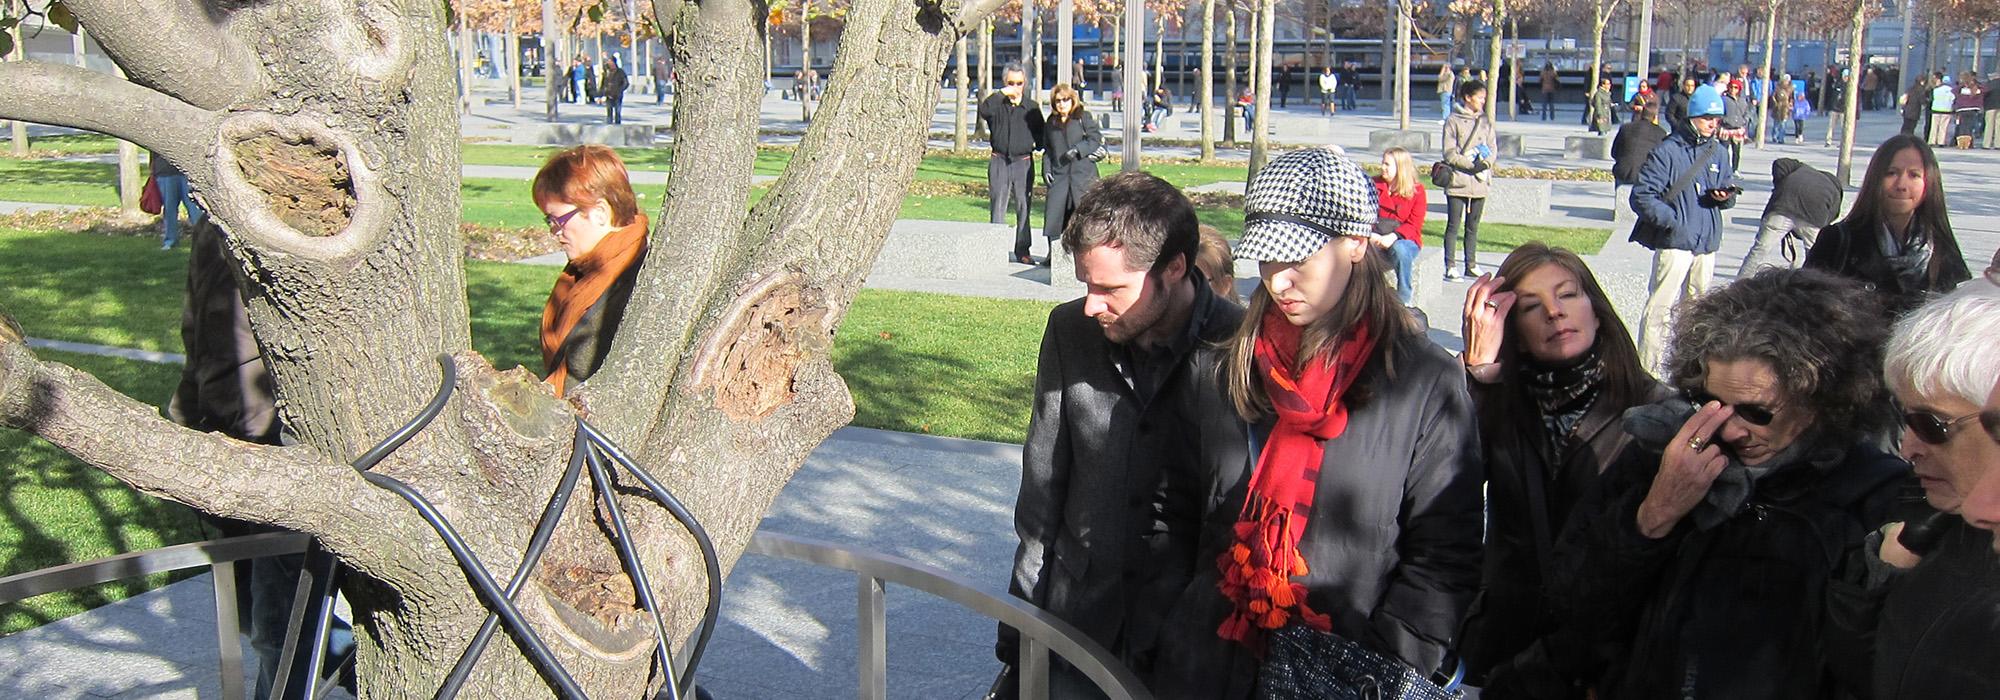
x=556, y=223
x=1016, y=83
x=1991, y=420
x=1750, y=413
x=1932, y=429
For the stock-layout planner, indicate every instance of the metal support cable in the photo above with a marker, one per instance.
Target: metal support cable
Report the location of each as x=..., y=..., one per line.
x=544, y=530
x=482, y=581
x=636, y=569
x=711, y=561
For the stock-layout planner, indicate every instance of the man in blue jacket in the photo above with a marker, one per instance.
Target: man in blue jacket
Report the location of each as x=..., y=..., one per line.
x=1682, y=190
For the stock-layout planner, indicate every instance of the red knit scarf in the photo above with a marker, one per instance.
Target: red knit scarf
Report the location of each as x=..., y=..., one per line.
x=1258, y=568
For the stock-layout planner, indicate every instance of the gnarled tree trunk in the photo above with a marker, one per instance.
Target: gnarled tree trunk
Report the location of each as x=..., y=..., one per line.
x=324, y=136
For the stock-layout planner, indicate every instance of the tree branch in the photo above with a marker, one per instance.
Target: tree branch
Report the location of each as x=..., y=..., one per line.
x=175, y=46
x=48, y=93
x=971, y=13
x=700, y=239
x=285, y=486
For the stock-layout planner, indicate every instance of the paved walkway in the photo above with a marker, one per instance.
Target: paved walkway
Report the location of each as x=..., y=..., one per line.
x=787, y=630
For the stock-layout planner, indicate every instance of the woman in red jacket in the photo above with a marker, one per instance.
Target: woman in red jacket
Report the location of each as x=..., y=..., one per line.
x=1399, y=226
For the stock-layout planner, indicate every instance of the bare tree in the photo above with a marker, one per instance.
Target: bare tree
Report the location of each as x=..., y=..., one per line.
x=323, y=137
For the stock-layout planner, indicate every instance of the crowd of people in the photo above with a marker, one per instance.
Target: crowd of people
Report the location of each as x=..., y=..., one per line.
x=1779, y=488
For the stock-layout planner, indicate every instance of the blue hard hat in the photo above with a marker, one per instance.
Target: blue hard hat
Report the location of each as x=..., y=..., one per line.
x=1706, y=102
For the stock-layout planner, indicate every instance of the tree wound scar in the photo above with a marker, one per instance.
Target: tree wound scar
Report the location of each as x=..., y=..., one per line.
x=306, y=183
x=753, y=369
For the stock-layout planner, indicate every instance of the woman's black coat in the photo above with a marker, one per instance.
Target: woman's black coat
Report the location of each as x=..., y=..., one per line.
x=1393, y=538
x=1530, y=492
x=1068, y=175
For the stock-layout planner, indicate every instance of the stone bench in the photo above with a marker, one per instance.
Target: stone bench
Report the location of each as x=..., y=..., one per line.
x=1510, y=201
x=1507, y=144
x=576, y=134
x=1622, y=216
x=1412, y=140
x=1587, y=147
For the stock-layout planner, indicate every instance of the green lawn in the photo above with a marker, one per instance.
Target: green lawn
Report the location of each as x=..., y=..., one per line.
x=59, y=182
x=915, y=362
x=72, y=144
x=55, y=510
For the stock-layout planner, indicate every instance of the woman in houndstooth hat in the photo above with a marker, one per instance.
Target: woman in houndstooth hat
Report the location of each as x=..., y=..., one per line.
x=1356, y=512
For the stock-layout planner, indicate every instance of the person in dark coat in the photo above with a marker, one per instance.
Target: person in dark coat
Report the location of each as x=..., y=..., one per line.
x=1897, y=239
x=1683, y=228
x=1916, y=104
x=1361, y=514
x=1634, y=142
x=1803, y=200
x=1069, y=162
x=586, y=197
x=1014, y=129
x=1675, y=114
x=226, y=388
x=1553, y=370
x=1705, y=561
x=613, y=86
x=1939, y=594
x=1116, y=452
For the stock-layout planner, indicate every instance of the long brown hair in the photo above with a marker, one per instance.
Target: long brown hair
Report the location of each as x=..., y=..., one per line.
x=1056, y=115
x=1626, y=381
x=1368, y=298
x=1932, y=218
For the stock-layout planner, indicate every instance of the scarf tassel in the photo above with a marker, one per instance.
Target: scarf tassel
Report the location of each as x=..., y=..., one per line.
x=1257, y=578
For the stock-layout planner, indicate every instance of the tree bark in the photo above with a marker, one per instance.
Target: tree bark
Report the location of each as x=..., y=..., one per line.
x=985, y=73
x=1494, y=54
x=1260, y=129
x=1770, y=80
x=552, y=60
x=1229, y=79
x=1207, y=85
x=336, y=176
x=19, y=129
x=1850, y=107
x=513, y=66
x=958, y=99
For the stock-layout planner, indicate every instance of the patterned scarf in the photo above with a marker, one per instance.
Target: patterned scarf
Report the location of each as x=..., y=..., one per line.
x=1258, y=568
x=583, y=281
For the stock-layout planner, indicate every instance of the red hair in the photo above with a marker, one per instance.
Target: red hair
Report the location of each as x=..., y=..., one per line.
x=584, y=176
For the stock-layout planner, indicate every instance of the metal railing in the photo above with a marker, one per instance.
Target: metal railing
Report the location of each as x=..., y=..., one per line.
x=1041, y=633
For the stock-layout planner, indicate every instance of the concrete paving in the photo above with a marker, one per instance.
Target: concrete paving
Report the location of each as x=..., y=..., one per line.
x=787, y=629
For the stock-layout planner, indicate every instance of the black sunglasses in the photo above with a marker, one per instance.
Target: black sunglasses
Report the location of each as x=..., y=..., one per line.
x=1932, y=429
x=1750, y=413
x=557, y=223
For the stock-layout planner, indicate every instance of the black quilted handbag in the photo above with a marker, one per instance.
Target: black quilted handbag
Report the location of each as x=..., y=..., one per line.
x=1302, y=663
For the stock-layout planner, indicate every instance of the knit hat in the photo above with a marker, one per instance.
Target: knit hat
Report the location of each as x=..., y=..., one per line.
x=1301, y=200
x=1706, y=102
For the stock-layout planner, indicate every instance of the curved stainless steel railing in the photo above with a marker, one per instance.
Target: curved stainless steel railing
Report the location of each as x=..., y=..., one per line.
x=1041, y=633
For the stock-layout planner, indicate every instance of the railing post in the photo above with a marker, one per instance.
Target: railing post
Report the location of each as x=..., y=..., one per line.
x=872, y=638
x=1034, y=669
x=228, y=643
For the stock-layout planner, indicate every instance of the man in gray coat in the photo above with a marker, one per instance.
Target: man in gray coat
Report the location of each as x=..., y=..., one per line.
x=1111, y=477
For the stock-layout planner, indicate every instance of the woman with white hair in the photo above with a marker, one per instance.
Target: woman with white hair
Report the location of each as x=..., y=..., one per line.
x=1942, y=600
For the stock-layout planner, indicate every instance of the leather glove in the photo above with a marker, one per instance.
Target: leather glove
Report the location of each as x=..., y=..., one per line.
x=1048, y=180
x=1071, y=156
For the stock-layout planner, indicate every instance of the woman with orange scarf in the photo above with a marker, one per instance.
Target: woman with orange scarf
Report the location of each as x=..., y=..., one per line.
x=1357, y=521
x=587, y=199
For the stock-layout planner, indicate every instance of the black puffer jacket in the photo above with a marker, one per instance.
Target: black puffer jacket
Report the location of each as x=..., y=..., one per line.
x=1732, y=612
x=1393, y=538
x=1530, y=492
x=1936, y=637
x=1803, y=193
x=1854, y=249
x=1629, y=149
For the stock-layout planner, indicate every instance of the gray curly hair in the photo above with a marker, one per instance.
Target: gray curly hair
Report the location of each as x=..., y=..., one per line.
x=1822, y=334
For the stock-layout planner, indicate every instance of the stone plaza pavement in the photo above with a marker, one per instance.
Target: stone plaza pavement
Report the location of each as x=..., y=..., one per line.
x=787, y=629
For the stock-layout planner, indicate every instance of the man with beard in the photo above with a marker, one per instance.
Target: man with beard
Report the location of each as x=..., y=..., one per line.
x=1112, y=484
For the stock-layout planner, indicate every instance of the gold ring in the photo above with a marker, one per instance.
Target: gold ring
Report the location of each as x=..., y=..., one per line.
x=1695, y=443
x=1491, y=304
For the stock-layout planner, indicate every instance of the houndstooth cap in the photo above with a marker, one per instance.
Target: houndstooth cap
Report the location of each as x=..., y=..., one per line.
x=1301, y=200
